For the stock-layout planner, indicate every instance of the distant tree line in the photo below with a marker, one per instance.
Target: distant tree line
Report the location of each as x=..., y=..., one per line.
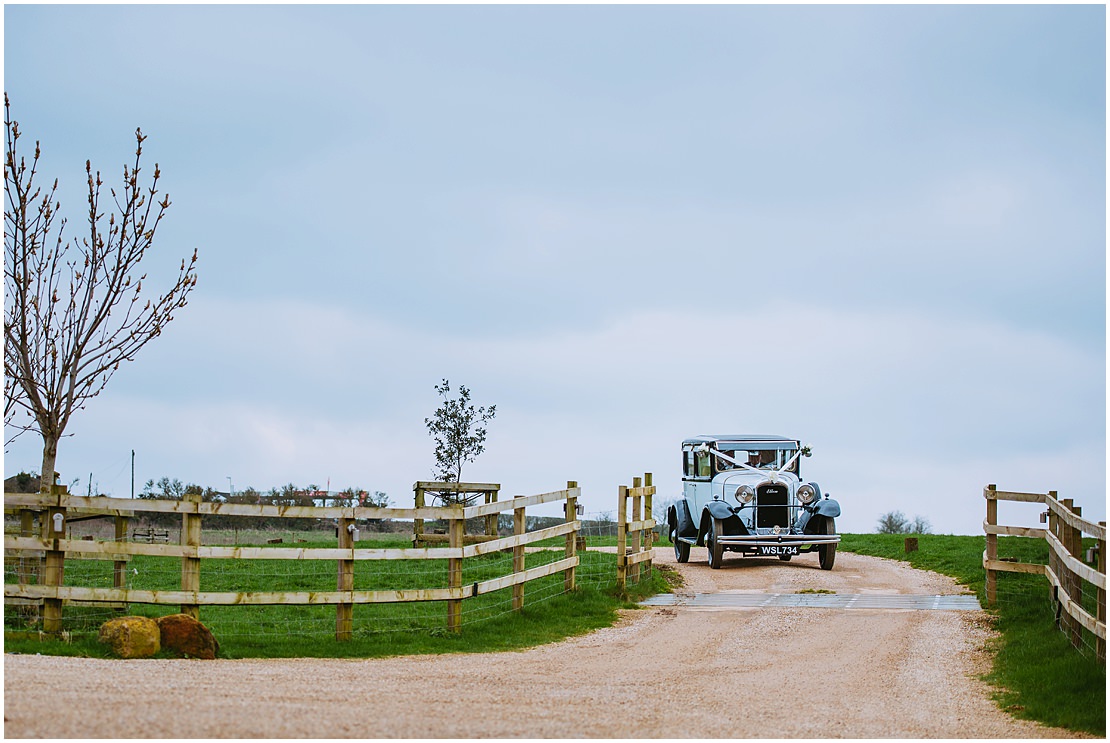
x=288, y=495
x=896, y=522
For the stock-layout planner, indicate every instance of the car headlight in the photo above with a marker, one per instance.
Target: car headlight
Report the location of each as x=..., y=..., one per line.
x=807, y=494
x=744, y=494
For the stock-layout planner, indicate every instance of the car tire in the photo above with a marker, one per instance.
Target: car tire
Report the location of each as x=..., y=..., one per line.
x=716, y=550
x=681, y=549
x=827, y=552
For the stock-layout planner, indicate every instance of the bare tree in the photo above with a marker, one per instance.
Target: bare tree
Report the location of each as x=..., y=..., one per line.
x=459, y=430
x=920, y=525
x=74, y=310
x=893, y=522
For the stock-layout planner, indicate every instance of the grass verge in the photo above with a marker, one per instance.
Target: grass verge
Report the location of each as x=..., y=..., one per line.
x=1037, y=673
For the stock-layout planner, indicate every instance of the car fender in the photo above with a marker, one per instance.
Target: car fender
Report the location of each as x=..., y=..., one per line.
x=680, y=521
x=730, y=522
x=826, y=507
x=719, y=510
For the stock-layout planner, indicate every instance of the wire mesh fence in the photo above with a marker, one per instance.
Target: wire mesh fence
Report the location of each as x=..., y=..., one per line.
x=596, y=570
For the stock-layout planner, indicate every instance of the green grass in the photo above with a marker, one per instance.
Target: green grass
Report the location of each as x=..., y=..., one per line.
x=378, y=629
x=1038, y=674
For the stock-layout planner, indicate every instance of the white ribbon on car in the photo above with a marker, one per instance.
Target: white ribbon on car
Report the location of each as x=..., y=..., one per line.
x=773, y=476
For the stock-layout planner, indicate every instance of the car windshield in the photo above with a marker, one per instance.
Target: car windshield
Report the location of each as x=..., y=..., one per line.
x=762, y=458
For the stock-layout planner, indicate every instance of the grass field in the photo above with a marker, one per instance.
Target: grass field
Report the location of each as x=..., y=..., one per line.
x=489, y=623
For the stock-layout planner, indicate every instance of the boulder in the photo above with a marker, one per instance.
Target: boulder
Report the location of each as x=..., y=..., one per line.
x=185, y=636
x=131, y=637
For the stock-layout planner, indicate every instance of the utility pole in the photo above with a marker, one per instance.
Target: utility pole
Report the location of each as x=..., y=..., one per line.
x=132, y=474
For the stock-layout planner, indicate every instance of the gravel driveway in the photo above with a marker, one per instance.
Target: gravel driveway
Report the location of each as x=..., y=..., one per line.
x=669, y=672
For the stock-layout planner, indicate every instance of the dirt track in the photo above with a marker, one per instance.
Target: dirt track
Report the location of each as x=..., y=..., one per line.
x=664, y=672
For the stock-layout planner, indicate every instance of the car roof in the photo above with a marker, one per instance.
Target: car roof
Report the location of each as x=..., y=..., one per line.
x=738, y=438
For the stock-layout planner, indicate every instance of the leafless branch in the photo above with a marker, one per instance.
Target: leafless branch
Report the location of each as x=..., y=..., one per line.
x=76, y=309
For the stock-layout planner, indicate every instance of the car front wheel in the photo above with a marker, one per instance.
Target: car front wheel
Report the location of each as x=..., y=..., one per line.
x=716, y=550
x=827, y=552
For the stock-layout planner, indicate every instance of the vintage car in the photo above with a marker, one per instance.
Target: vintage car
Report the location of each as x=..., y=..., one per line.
x=744, y=493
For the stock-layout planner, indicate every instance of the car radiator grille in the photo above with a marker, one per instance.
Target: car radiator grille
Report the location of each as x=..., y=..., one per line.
x=771, y=506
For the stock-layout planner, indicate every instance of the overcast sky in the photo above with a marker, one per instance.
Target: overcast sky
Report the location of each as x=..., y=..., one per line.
x=879, y=229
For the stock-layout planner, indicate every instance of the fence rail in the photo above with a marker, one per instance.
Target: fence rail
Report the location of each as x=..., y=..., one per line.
x=1065, y=571
x=41, y=559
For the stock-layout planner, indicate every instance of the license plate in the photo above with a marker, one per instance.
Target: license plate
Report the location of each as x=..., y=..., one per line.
x=779, y=549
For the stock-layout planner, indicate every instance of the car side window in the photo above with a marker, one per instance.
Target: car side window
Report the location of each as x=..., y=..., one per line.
x=703, y=465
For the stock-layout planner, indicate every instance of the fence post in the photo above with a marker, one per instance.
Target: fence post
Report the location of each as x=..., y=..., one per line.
x=456, y=527
x=649, y=534
x=1054, y=530
x=345, y=581
x=1073, y=582
x=571, y=516
x=418, y=524
x=637, y=515
x=119, y=567
x=491, y=519
x=1100, y=644
x=992, y=546
x=622, y=536
x=53, y=572
x=1064, y=572
x=518, y=556
x=190, y=566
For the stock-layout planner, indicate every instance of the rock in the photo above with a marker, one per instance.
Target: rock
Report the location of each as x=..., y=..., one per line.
x=131, y=637
x=186, y=636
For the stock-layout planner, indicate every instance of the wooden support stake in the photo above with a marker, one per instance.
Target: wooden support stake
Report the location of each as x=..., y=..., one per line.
x=491, y=519
x=637, y=515
x=1054, y=530
x=190, y=566
x=622, y=536
x=418, y=524
x=1073, y=582
x=119, y=567
x=992, y=548
x=455, y=530
x=1100, y=644
x=518, y=557
x=571, y=550
x=649, y=545
x=1062, y=571
x=345, y=581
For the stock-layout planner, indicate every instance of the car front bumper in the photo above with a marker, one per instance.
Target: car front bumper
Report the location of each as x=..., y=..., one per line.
x=774, y=540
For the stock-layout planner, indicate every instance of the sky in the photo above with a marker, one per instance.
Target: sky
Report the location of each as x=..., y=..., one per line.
x=878, y=229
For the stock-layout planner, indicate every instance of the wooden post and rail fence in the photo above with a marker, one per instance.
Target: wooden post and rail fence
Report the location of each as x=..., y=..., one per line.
x=40, y=558
x=1066, y=570
x=635, y=530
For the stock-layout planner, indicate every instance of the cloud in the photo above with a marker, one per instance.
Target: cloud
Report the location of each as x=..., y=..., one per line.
x=908, y=412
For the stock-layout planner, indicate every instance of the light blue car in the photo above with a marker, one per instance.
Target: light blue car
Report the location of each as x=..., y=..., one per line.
x=744, y=493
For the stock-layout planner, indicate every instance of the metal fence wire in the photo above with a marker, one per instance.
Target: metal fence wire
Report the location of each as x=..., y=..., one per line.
x=596, y=570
